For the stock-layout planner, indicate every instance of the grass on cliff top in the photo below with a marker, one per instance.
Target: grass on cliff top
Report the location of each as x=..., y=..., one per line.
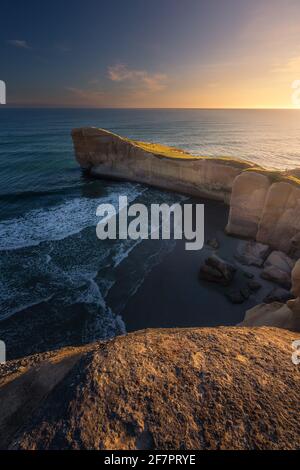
x=173, y=152
x=166, y=151
x=276, y=175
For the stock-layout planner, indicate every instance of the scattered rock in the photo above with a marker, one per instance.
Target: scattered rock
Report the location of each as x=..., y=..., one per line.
x=226, y=268
x=253, y=285
x=213, y=243
x=217, y=270
x=278, y=268
x=208, y=273
x=235, y=296
x=245, y=292
x=239, y=295
x=277, y=314
x=252, y=253
x=277, y=294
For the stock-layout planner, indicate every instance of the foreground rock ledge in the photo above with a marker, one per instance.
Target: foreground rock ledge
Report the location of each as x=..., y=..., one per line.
x=209, y=388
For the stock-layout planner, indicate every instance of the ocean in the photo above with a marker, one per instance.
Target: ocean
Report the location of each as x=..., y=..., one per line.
x=56, y=275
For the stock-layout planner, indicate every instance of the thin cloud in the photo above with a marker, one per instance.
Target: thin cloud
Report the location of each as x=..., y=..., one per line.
x=291, y=66
x=18, y=43
x=142, y=78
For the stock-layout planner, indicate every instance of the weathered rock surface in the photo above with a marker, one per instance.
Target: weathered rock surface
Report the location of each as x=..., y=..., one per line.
x=274, y=314
x=267, y=211
x=280, y=221
x=217, y=270
x=260, y=208
x=253, y=285
x=251, y=253
x=294, y=249
x=238, y=296
x=294, y=304
x=278, y=314
x=210, y=388
x=277, y=294
x=247, y=202
x=108, y=155
x=278, y=268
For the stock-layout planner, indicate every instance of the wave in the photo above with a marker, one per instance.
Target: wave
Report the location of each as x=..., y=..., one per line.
x=60, y=221
x=8, y=197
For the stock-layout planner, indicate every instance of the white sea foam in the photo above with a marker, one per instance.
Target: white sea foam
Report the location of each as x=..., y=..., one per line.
x=57, y=222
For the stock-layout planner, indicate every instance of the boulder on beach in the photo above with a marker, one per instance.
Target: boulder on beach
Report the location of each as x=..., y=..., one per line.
x=215, y=269
x=239, y=295
x=280, y=315
x=278, y=268
x=278, y=294
x=209, y=388
x=251, y=253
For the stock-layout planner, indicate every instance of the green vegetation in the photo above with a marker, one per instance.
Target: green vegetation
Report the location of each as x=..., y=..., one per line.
x=165, y=151
x=275, y=175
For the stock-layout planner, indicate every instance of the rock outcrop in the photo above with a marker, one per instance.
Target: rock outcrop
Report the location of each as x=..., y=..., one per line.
x=251, y=253
x=247, y=203
x=278, y=314
x=266, y=211
x=280, y=222
x=210, y=388
x=217, y=270
x=109, y=155
x=264, y=205
x=278, y=268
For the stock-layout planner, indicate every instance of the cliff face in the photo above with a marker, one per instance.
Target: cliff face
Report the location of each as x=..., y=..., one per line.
x=106, y=154
x=260, y=208
x=266, y=211
x=212, y=388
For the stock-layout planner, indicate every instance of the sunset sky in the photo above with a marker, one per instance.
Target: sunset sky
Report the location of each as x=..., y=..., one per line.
x=150, y=53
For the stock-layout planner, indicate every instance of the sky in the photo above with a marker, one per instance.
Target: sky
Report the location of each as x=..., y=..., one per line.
x=151, y=53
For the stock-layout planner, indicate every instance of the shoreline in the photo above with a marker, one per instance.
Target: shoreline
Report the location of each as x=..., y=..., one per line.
x=183, y=300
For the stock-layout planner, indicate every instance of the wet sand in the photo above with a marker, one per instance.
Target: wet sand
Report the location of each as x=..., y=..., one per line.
x=172, y=294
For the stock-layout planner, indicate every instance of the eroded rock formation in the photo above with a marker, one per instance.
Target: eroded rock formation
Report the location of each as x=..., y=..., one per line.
x=247, y=203
x=109, y=155
x=276, y=313
x=211, y=388
x=271, y=215
x=264, y=205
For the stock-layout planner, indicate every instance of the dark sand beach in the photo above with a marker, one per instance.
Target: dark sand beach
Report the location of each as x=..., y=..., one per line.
x=172, y=295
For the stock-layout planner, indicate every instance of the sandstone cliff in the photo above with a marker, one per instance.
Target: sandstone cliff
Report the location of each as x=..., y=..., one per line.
x=211, y=388
x=109, y=155
x=267, y=211
x=264, y=205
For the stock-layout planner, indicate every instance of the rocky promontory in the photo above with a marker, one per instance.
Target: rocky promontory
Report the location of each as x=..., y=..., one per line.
x=264, y=204
x=209, y=388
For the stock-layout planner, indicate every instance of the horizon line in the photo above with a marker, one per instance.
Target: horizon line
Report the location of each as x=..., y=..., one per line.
x=41, y=106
